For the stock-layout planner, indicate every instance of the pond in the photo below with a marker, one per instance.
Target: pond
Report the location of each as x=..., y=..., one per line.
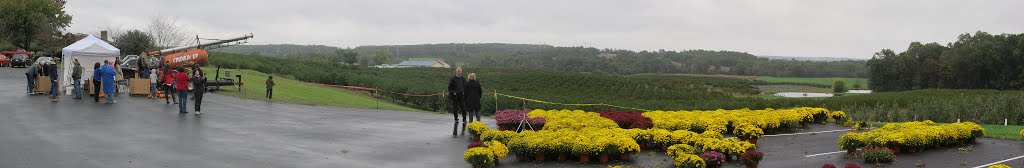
x=803, y=94
x=859, y=91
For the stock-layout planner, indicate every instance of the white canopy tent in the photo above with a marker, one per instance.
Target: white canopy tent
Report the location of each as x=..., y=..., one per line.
x=88, y=51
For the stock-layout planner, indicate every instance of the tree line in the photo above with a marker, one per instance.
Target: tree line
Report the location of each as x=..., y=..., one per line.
x=978, y=61
x=573, y=59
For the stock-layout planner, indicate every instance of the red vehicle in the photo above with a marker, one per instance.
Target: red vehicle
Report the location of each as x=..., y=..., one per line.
x=17, y=58
x=4, y=61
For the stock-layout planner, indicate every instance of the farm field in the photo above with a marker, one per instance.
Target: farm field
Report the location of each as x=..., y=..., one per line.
x=850, y=82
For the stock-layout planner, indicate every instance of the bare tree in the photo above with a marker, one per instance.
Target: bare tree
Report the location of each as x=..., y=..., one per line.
x=167, y=33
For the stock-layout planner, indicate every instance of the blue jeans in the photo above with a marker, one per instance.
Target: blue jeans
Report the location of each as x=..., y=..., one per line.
x=109, y=96
x=152, y=89
x=182, y=100
x=31, y=82
x=78, y=88
x=53, y=88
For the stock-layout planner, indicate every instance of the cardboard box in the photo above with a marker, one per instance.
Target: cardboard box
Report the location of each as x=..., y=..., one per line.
x=43, y=84
x=138, y=86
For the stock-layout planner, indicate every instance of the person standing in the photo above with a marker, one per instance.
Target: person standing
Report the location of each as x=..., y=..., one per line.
x=181, y=86
x=473, y=94
x=51, y=70
x=97, y=77
x=270, y=87
x=200, y=88
x=108, y=81
x=76, y=79
x=153, y=77
x=168, y=83
x=456, y=93
x=31, y=75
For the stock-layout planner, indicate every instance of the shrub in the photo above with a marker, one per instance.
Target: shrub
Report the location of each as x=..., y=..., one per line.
x=479, y=156
x=713, y=159
x=475, y=144
x=748, y=131
x=851, y=165
x=828, y=165
x=751, y=158
x=509, y=119
x=875, y=154
x=477, y=127
x=850, y=140
x=628, y=119
x=500, y=136
x=497, y=148
x=999, y=166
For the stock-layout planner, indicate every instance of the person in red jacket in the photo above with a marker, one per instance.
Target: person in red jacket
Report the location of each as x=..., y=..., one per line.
x=181, y=81
x=168, y=81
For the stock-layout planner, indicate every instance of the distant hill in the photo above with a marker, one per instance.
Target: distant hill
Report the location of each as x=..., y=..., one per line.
x=821, y=59
x=578, y=59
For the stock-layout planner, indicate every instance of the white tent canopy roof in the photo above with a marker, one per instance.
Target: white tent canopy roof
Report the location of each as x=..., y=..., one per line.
x=92, y=45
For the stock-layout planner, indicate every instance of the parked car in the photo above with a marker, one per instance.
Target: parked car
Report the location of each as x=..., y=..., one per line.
x=45, y=59
x=4, y=61
x=20, y=60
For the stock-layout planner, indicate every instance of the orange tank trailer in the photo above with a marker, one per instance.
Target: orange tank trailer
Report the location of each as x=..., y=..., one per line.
x=197, y=56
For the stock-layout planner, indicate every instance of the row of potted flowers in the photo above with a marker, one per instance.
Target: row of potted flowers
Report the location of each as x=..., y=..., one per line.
x=913, y=136
x=686, y=156
x=725, y=121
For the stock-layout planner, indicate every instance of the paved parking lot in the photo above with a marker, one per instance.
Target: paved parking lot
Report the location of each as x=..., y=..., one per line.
x=235, y=132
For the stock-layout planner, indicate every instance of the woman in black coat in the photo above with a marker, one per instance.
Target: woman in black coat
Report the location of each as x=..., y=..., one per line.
x=473, y=93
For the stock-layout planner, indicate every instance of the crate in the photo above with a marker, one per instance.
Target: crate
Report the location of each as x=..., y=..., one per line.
x=138, y=86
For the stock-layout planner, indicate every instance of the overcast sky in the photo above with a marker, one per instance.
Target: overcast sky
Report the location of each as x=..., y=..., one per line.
x=854, y=28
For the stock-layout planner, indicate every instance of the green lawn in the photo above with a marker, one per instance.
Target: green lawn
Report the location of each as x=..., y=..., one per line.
x=863, y=82
x=297, y=92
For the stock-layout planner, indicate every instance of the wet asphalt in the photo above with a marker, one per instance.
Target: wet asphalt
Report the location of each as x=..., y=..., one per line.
x=234, y=132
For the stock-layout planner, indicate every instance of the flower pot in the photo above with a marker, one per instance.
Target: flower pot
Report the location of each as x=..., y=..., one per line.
x=476, y=137
x=805, y=124
x=753, y=141
x=755, y=166
x=895, y=150
x=584, y=159
x=520, y=156
x=936, y=146
x=643, y=146
x=851, y=151
x=603, y=158
x=972, y=140
x=742, y=138
x=912, y=150
x=563, y=156
x=539, y=157
x=624, y=157
x=790, y=129
x=478, y=166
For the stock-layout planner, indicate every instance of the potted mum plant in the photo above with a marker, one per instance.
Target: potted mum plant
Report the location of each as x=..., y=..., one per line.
x=476, y=128
x=751, y=158
x=479, y=157
x=713, y=159
x=850, y=142
x=499, y=150
x=749, y=132
x=838, y=116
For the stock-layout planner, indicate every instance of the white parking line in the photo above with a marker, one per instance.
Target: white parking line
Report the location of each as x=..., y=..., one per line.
x=805, y=133
x=994, y=163
x=825, y=153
